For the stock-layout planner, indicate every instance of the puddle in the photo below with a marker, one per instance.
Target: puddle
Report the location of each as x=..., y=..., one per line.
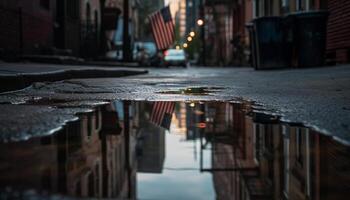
x=177, y=150
x=194, y=91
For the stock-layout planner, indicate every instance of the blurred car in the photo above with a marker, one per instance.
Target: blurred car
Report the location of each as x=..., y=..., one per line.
x=175, y=57
x=146, y=54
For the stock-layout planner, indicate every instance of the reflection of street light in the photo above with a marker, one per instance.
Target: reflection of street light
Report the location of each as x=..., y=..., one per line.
x=185, y=45
x=189, y=38
x=192, y=33
x=200, y=22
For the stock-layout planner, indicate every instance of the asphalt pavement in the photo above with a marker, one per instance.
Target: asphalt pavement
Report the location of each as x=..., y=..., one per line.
x=317, y=97
x=15, y=76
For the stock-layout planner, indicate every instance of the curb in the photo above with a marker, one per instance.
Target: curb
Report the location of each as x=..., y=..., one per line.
x=71, y=60
x=20, y=81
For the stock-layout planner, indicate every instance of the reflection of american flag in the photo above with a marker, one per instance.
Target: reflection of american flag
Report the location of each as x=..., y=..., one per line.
x=162, y=28
x=162, y=112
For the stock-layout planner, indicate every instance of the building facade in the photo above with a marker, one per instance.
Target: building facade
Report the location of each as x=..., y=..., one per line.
x=227, y=39
x=26, y=26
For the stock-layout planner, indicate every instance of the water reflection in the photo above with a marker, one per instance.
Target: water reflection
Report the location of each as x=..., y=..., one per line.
x=92, y=157
x=168, y=150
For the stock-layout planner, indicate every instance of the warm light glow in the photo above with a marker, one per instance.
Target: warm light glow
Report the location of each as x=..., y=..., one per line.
x=192, y=105
x=189, y=38
x=201, y=125
x=200, y=22
x=177, y=47
x=192, y=33
x=185, y=45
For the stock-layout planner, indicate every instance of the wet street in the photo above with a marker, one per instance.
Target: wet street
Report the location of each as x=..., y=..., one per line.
x=175, y=99
x=196, y=133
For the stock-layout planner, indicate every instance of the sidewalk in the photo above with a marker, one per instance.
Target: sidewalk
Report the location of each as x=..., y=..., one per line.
x=15, y=76
x=71, y=60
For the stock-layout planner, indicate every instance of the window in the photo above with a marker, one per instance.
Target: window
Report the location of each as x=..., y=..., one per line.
x=73, y=9
x=298, y=142
x=257, y=143
x=286, y=168
x=90, y=127
x=285, y=6
x=300, y=5
x=285, y=3
x=45, y=4
x=91, y=185
x=97, y=120
x=88, y=13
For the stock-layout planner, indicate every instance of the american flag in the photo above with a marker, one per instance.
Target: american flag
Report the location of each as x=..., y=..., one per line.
x=162, y=112
x=162, y=28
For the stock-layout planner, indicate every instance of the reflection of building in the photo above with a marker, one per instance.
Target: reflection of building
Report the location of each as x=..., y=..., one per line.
x=151, y=149
x=195, y=117
x=215, y=118
x=259, y=158
x=83, y=172
x=33, y=163
x=179, y=118
x=87, y=158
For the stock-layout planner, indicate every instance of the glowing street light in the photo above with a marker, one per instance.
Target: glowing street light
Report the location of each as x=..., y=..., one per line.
x=189, y=38
x=185, y=45
x=192, y=34
x=177, y=47
x=200, y=22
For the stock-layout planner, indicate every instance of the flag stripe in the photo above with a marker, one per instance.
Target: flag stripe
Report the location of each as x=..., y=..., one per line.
x=159, y=31
x=155, y=35
x=156, y=31
x=161, y=113
x=162, y=28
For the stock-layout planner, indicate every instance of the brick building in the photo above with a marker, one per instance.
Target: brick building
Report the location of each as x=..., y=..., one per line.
x=77, y=26
x=43, y=26
x=228, y=40
x=218, y=32
x=26, y=26
x=338, y=35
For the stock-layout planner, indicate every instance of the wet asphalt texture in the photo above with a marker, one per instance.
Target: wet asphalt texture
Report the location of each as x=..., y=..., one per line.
x=317, y=97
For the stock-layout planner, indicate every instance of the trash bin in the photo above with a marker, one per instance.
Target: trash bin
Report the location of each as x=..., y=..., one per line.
x=252, y=43
x=310, y=29
x=270, y=40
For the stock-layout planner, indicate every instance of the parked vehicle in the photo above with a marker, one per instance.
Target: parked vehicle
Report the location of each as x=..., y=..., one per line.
x=146, y=54
x=175, y=57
